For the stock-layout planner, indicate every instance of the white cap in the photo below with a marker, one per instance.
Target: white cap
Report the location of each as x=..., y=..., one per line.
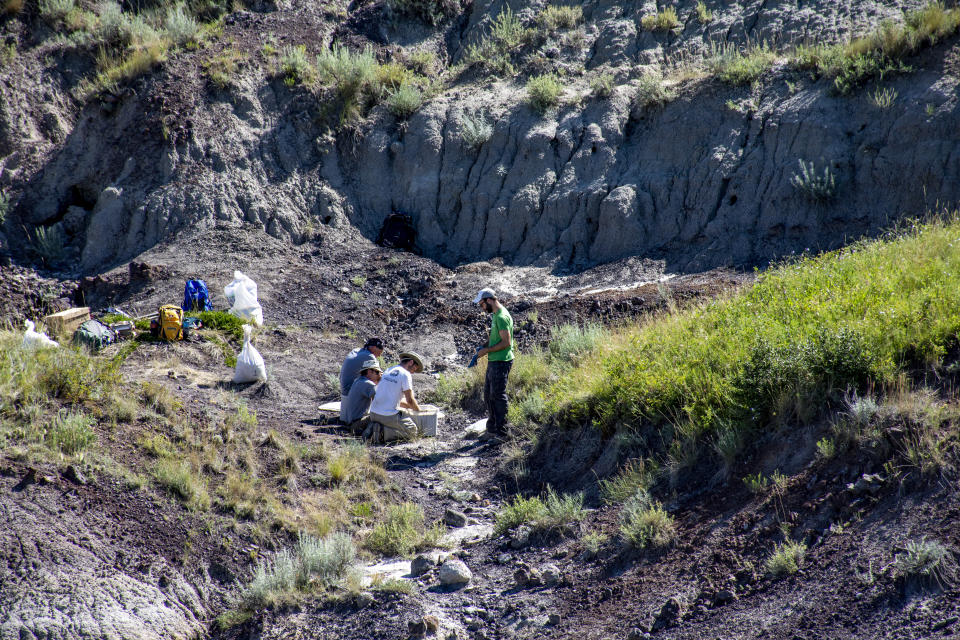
x=485, y=293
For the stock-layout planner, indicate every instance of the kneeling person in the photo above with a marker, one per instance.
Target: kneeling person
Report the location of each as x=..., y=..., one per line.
x=355, y=409
x=395, y=391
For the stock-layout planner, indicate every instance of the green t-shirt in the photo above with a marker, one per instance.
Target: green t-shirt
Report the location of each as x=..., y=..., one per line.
x=501, y=320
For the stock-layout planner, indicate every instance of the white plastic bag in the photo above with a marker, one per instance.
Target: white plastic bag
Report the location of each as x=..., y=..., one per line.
x=242, y=294
x=250, y=365
x=35, y=340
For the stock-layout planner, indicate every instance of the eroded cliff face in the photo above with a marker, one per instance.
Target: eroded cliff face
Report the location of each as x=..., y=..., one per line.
x=702, y=181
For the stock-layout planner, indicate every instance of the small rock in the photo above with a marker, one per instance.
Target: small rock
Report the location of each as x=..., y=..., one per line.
x=504, y=558
x=637, y=634
x=432, y=624
x=74, y=475
x=454, y=572
x=669, y=614
x=364, y=599
x=527, y=577
x=453, y=518
x=553, y=619
x=550, y=574
x=422, y=564
x=417, y=628
x=724, y=596
x=520, y=537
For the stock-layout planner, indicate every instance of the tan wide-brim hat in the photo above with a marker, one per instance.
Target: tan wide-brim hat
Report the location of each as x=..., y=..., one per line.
x=412, y=356
x=371, y=364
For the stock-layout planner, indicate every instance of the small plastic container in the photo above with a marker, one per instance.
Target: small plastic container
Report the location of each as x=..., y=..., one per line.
x=426, y=419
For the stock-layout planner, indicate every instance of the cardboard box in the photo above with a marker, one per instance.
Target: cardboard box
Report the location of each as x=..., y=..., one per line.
x=66, y=322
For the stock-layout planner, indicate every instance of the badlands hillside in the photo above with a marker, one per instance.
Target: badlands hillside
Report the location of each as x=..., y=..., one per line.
x=726, y=232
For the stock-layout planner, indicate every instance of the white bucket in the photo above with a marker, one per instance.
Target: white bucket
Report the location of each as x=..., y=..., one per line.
x=426, y=419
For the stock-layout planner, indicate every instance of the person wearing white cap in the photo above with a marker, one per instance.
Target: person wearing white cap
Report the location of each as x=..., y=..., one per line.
x=499, y=352
x=394, y=392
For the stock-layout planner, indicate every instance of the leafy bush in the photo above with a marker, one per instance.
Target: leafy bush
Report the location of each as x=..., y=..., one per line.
x=404, y=101
x=602, y=85
x=663, y=20
x=180, y=26
x=645, y=523
x=651, y=92
x=883, y=98
x=555, y=17
x=180, y=480
x=432, y=12
x=402, y=532
x=4, y=206
x=569, y=342
x=495, y=50
x=635, y=477
x=738, y=66
x=929, y=561
x=704, y=15
x=543, y=92
x=353, y=77
x=220, y=321
x=49, y=243
x=786, y=558
x=475, y=129
x=295, y=66
x=70, y=433
x=552, y=512
x=818, y=188
x=56, y=11
x=324, y=560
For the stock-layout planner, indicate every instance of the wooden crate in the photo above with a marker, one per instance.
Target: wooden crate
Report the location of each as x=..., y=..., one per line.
x=66, y=322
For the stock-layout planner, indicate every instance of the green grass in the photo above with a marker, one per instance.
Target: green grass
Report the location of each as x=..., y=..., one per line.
x=555, y=17
x=664, y=20
x=737, y=66
x=495, y=51
x=881, y=53
x=177, y=477
x=554, y=511
x=645, y=523
x=223, y=321
x=786, y=558
x=929, y=561
x=543, y=92
x=402, y=532
x=778, y=351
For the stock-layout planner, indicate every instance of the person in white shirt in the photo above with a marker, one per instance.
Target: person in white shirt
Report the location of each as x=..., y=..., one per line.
x=394, y=393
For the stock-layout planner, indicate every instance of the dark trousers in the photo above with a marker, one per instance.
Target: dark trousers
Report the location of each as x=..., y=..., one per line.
x=495, y=395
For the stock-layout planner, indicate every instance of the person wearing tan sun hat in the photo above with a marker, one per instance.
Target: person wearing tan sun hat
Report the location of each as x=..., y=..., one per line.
x=388, y=422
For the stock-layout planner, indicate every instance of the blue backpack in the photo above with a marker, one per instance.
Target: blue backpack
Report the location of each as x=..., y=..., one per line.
x=196, y=297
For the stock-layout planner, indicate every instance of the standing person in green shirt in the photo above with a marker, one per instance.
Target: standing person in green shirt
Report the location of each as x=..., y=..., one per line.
x=499, y=352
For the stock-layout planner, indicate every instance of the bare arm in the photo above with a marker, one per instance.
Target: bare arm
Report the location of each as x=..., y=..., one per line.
x=504, y=343
x=409, y=402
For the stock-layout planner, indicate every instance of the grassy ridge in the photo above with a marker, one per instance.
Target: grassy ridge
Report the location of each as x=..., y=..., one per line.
x=803, y=331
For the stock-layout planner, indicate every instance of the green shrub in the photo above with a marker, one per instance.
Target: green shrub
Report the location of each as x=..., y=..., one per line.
x=180, y=480
x=929, y=561
x=818, y=188
x=180, y=26
x=496, y=49
x=555, y=17
x=325, y=560
x=220, y=321
x=552, y=512
x=651, y=92
x=543, y=92
x=295, y=66
x=55, y=12
x=70, y=433
x=786, y=558
x=568, y=343
x=883, y=98
x=404, y=101
x=635, y=477
x=602, y=85
x=664, y=20
x=475, y=129
x=353, y=77
x=704, y=15
x=735, y=66
x=49, y=243
x=826, y=448
x=402, y=532
x=645, y=523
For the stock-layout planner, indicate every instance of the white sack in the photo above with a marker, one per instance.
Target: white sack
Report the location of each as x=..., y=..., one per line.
x=34, y=340
x=250, y=365
x=242, y=294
